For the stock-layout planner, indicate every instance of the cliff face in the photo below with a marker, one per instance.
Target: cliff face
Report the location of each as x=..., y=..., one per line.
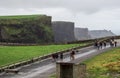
x=100, y=33
x=26, y=29
x=63, y=31
x=82, y=33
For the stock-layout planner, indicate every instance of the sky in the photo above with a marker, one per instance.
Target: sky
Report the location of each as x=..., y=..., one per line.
x=91, y=14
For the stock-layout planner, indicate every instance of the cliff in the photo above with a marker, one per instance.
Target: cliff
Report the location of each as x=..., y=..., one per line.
x=26, y=29
x=63, y=31
x=100, y=33
x=82, y=33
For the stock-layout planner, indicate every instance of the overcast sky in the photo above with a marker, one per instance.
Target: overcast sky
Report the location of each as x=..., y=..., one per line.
x=92, y=14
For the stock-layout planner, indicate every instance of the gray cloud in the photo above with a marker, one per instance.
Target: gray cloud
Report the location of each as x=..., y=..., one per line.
x=87, y=6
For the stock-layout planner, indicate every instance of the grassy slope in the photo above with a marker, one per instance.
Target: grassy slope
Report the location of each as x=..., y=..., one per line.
x=12, y=54
x=20, y=16
x=95, y=65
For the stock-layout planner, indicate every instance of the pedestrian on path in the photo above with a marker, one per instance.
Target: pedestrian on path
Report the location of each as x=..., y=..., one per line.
x=104, y=43
x=115, y=43
x=98, y=45
x=61, y=56
x=101, y=45
x=55, y=57
x=111, y=43
x=72, y=55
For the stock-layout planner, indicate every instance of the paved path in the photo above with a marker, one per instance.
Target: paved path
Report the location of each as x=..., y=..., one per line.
x=44, y=68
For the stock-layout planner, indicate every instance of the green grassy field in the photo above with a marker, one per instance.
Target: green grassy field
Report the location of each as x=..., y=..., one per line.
x=105, y=65
x=13, y=54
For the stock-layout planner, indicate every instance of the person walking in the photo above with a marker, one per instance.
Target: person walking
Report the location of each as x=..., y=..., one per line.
x=101, y=45
x=115, y=43
x=98, y=45
x=104, y=43
x=61, y=56
x=53, y=57
x=72, y=55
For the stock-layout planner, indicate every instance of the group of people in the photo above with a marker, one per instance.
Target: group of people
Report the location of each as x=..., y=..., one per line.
x=97, y=44
x=60, y=56
x=56, y=56
x=103, y=44
x=113, y=43
x=100, y=45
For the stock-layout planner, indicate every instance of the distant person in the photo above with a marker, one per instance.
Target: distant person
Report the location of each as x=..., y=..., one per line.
x=53, y=57
x=115, y=43
x=111, y=43
x=101, y=45
x=72, y=55
x=61, y=56
x=56, y=56
x=96, y=44
x=104, y=43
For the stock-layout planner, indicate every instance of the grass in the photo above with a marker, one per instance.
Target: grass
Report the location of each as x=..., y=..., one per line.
x=20, y=16
x=52, y=76
x=105, y=65
x=13, y=54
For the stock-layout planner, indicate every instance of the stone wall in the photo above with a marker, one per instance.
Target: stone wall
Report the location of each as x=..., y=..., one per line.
x=63, y=31
x=82, y=33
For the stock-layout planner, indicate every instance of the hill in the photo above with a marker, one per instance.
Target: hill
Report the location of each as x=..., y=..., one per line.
x=26, y=29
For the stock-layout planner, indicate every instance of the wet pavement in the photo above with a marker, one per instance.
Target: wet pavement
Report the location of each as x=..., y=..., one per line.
x=44, y=68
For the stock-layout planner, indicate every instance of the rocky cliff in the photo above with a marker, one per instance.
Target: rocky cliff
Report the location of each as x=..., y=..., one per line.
x=82, y=33
x=63, y=31
x=26, y=29
x=100, y=33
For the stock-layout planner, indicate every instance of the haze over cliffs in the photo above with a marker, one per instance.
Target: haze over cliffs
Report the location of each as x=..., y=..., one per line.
x=100, y=33
x=82, y=33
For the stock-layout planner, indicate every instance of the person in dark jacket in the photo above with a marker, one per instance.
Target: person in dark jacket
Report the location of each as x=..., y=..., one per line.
x=72, y=55
x=104, y=43
x=115, y=43
x=61, y=56
x=101, y=45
